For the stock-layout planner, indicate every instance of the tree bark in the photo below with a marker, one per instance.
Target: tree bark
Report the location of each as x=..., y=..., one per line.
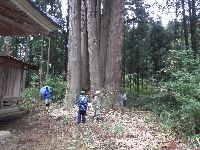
x=104, y=37
x=66, y=49
x=84, y=47
x=74, y=56
x=98, y=21
x=114, y=53
x=92, y=47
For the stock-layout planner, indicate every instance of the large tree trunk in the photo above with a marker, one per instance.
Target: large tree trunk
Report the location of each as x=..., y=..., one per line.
x=92, y=46
x=114, y=53
x=104, y=37
x=124, y=68
x=81, y=40
x=98, y=21
x=74, y=56
x=66, y=49
x=84, y=48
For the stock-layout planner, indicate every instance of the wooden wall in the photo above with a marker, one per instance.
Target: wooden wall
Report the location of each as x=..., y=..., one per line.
x=11, y=76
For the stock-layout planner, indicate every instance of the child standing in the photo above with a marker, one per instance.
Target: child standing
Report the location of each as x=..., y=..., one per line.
x=82, y=103
x=47, y=97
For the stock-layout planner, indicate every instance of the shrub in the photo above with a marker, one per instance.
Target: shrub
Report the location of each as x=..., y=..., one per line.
x=179, y=107
x=29, y=95
x=58, y=89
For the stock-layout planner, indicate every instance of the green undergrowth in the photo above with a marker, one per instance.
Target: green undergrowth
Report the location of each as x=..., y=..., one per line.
x=178, y=114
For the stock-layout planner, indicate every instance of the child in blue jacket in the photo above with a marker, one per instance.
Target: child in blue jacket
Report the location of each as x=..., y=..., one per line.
x=47, y=97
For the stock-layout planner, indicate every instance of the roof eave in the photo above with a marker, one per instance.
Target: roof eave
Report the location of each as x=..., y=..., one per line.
x=28, y=7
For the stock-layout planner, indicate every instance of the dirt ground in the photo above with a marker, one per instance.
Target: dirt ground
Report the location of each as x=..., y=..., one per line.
x=56, y=129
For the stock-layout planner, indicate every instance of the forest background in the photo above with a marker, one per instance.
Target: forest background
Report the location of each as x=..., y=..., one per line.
x=160, y=63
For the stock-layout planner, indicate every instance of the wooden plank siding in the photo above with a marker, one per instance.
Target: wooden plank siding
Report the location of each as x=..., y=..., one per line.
x=11, y=77
x=19, y=18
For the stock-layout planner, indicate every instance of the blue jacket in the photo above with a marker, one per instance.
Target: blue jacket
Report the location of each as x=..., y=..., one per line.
x=47, y=94
x=82, y=100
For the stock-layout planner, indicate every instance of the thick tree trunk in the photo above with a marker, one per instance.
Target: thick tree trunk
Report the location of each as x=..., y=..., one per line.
x=124, y=73
x=114, y=53
x=74, y=56
x=92, y=47
x=84, y=47
x=98, y=21
x=81, y=40
x=66, y=49
x=104, y=37
x=124, y=70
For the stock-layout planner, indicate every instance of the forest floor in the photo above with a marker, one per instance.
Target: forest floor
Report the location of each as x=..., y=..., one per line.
x=54, y=128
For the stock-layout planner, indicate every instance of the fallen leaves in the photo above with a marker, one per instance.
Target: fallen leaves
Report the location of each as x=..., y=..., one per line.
x=55, y=128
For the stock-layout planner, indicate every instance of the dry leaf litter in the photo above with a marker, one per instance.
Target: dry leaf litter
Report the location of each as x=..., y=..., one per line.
x=56, y=129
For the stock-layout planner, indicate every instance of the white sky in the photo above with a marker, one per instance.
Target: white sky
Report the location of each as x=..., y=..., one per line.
x=64, y=7
x=167, y=14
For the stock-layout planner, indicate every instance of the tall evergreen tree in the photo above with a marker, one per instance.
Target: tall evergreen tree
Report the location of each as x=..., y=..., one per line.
x=74, y=55
x=93, y=49
x=114, y=53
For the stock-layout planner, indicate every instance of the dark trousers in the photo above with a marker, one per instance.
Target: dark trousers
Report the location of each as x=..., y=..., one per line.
x=124, y=102
x=81, y=113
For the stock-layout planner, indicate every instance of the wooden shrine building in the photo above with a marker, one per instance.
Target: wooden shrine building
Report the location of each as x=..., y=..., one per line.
x=19, y=18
